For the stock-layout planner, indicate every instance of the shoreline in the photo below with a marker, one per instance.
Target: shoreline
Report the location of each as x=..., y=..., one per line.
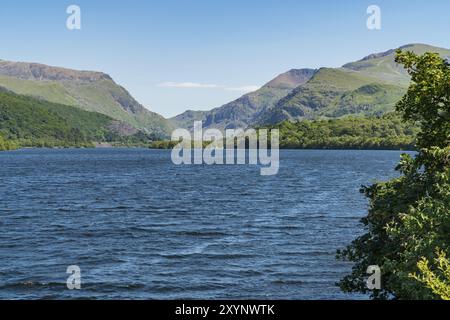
x=109, y=146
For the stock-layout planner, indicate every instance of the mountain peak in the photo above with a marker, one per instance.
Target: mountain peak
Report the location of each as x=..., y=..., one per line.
x=242, y=112
x=378, y=55
x=291, y=79
x=418, y=48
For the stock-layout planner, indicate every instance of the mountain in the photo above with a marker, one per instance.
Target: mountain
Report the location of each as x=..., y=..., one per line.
x=333, y=93
x=370, y=86
x=35, y=122
x=245, y=110
x=88, y=90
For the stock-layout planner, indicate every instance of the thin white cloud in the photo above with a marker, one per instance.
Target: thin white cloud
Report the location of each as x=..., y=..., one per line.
x=196, y=85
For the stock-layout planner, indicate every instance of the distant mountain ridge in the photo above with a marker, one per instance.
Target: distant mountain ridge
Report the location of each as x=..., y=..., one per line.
x=245, y=110
x=88, y=90
x=370, y=86
x=37, y=71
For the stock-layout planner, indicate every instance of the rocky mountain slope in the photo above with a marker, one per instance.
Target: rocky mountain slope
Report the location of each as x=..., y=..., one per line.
x=245, y=110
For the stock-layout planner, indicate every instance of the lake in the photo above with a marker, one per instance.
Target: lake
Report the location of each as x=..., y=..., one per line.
x=140, y=227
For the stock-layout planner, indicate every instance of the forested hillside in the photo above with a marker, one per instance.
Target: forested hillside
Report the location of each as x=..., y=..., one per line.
x=384, y=132
x=29, y=122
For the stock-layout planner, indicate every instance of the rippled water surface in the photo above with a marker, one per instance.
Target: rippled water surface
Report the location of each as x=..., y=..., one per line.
x=140, y=227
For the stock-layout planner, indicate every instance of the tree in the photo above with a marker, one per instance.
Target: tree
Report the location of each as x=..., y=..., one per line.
x=410, y=216
x=7, y=145
x=436, y=278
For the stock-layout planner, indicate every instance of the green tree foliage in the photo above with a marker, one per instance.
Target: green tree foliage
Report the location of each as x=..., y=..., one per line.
x=437, y=277
x=32, y=122
x=164, y=144
x=383, y=132
x=7, y=145
x=410, y=216
x=387, y=132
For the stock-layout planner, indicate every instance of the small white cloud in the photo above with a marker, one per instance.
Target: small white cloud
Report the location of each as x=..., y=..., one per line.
x=187, y=85
x=196, y=85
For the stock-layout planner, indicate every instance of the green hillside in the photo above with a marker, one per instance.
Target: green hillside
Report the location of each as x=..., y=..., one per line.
x=335, y=93
x=90, y=91
x=383, y=66
x=28, y=121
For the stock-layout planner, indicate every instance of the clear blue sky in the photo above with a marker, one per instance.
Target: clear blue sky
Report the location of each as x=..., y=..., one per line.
x=219, y=47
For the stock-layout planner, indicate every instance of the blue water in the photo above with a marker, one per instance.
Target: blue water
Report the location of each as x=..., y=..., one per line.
x=140, y=227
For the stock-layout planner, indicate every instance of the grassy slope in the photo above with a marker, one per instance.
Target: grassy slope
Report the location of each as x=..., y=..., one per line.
x=383, y=66
x=34, y=122
x=108, y=98
x=334, y=93
x=103, y=96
